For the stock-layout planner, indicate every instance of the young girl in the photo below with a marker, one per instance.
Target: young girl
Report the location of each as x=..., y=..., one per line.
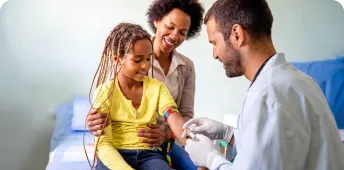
x=133, y=100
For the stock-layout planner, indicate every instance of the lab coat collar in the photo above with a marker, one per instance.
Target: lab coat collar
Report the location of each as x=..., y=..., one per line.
x=276, y=60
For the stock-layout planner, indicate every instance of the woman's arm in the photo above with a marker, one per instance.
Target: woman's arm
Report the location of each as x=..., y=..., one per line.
x=155, y=136
x=186, y=106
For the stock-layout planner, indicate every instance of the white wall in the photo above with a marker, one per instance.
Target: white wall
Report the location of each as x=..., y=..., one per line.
x=49, y=50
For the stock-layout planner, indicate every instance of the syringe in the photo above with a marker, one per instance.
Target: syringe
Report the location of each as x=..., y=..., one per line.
x=190, y=134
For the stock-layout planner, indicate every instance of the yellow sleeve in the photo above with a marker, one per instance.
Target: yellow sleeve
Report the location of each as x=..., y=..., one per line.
x=165, y=99
x=100, y=99
x=106, y=152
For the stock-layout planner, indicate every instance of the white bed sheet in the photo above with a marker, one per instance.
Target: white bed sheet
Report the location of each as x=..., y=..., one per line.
x=341, y=133
x=69, y=153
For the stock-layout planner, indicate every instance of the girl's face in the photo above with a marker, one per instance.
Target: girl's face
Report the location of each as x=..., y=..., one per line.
x=172, y=30
x=137, y=62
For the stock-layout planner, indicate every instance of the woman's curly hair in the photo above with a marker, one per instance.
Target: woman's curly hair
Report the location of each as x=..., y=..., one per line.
x=159, y=8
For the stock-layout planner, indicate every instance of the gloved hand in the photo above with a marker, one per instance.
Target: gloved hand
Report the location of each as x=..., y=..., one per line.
x=210, y=128
x=202, y=152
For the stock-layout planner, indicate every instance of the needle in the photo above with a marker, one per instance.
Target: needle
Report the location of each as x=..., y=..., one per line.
x=191, y=134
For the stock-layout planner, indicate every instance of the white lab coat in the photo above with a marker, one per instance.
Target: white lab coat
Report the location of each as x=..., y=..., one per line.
x=285, y=124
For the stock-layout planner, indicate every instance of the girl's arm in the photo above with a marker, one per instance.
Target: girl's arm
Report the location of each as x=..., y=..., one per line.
x=106, y=152
x=168, y=108
x=176, y=122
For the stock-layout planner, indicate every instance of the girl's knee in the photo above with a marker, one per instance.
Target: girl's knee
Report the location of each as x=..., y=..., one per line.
x=101, y=166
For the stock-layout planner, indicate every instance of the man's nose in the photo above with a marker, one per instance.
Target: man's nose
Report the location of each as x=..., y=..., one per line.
x=215, y=56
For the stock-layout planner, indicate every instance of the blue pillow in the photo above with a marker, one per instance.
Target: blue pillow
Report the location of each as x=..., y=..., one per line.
x=320, y=70
x=81, y=107
x=329, y=74
x=340, y=59
x=64, y=114
x=333, y=89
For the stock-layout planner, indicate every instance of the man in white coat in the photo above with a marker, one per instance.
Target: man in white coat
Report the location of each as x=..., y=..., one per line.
x=285, y=122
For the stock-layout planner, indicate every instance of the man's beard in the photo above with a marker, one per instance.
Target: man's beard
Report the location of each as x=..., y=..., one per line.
x=232, y=62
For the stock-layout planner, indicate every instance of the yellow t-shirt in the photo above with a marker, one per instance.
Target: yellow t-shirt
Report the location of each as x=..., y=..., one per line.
x=122, y=133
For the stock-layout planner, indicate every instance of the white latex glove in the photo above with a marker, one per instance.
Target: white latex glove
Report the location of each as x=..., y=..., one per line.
x=202, y=152
x=210, y=128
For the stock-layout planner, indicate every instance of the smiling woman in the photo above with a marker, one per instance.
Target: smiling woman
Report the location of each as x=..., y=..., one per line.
x=173, y=22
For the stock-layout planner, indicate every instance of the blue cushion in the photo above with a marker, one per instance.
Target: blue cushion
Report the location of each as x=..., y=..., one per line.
x=334, y=92
x=81, y=106
x=329, y=74
x=339, y=59
x=320, y=70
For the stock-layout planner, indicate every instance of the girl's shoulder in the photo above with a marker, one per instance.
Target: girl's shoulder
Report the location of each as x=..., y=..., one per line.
x=151, y=81
x=105, y=87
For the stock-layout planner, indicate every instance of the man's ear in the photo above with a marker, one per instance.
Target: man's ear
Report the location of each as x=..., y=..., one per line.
x=238, y=36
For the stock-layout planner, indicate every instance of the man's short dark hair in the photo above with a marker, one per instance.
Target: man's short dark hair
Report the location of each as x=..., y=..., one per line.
x=253, y=15
x=193, y=8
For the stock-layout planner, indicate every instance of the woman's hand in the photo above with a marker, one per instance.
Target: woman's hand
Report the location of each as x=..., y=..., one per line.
x=155, y=136
x=95, y=122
